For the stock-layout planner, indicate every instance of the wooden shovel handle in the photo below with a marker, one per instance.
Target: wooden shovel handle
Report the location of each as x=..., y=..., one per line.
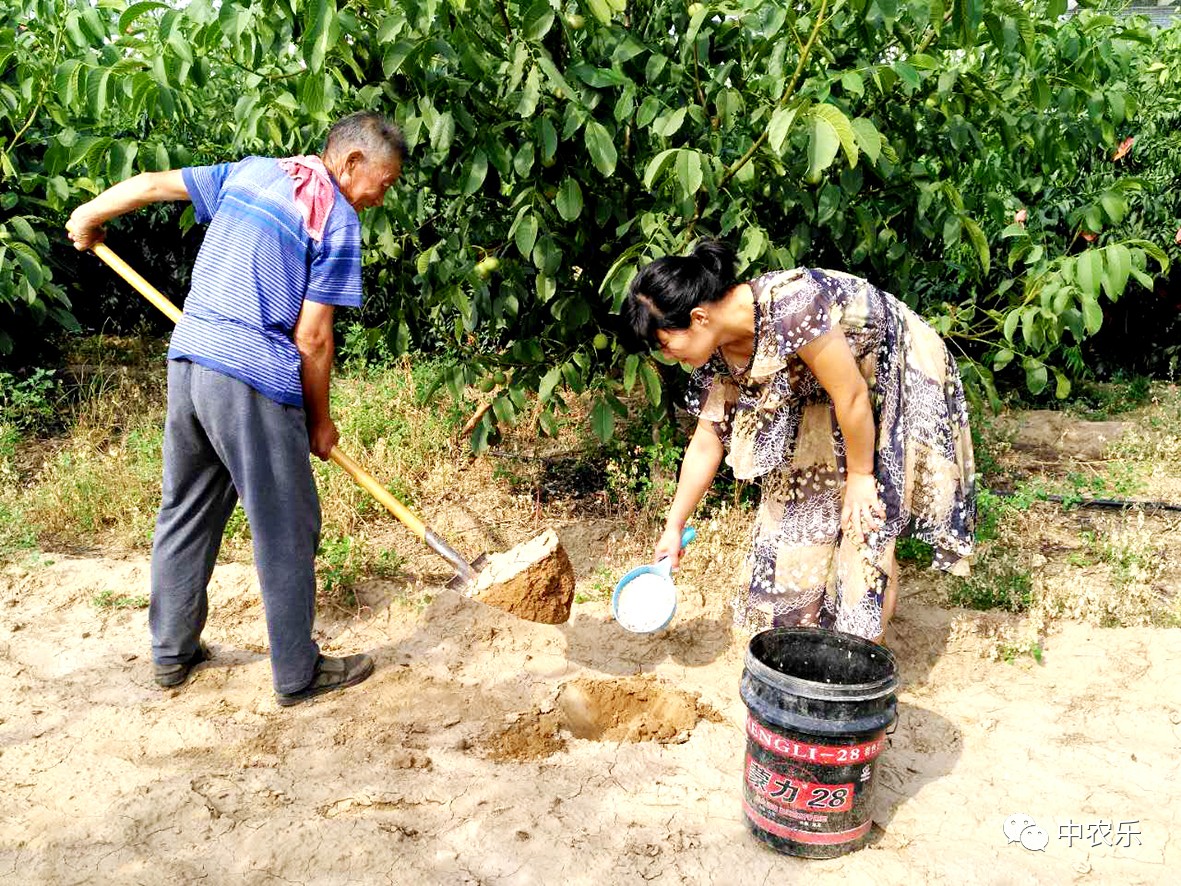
x=367, y=482
x=146, y=289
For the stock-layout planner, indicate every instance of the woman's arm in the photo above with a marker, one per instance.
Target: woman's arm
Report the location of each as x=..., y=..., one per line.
x=834, y=366
x=701, y=461
x=86, y=223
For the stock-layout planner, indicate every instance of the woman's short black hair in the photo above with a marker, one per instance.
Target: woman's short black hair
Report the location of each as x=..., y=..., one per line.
x=664, y=291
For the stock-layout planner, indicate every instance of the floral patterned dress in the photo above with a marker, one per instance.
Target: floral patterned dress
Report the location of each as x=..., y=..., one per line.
x=779, y=427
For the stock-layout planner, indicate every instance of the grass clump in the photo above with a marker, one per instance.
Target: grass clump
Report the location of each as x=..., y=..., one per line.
x=113, y=600
x=1125, y=578
x=16, y=536
x=29, y=404
x=998, y=581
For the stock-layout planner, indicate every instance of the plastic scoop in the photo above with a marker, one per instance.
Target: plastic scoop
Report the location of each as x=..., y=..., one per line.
x=645, y=599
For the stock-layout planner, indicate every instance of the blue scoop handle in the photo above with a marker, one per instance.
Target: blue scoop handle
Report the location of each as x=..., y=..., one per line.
x=687, y=535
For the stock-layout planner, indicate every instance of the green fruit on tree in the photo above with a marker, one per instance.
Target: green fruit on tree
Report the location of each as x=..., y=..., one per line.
x=485, y=385
x=576, y=22
x=501, y=378
x=695, y=8
x=486, y=266
x=600, y=342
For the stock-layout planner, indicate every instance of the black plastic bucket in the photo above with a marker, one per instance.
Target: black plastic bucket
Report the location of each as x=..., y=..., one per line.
x=818, y=705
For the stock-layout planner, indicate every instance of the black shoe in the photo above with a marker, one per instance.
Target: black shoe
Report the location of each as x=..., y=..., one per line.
x=169, y=675
x=331, y=674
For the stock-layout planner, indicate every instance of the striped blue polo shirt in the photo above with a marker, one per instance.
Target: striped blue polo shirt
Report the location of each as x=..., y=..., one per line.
x=256, y=266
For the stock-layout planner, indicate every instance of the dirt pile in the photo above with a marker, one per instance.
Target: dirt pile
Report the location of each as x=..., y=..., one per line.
x=628, y=709
x=533, y=581
x=631, y=709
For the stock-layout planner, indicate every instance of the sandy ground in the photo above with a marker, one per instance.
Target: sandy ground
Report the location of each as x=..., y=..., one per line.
x=460, y=761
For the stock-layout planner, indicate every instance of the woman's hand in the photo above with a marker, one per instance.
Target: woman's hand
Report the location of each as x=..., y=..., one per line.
x=862, y=510
x=669, y=545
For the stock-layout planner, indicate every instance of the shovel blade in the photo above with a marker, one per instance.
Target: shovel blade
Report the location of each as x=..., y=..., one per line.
x=465, y=582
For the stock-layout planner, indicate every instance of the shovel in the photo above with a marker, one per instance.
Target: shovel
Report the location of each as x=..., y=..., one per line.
x=465, y=573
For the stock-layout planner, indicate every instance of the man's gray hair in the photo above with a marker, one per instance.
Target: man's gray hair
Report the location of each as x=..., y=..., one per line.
x=375, y=135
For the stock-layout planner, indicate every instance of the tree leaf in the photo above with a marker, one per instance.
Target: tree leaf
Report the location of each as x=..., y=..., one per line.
x=133, y=12
x=840, y=125
x=549, y=381
x=1062, y=388
x=538, y=20
x=602, y=419
x=1092, y=314
x=667, y=125
x=527, y=234
x=1002, y=358
x=569, y=201
x=852, y=83
x=656, y=165
x=1036, y=376
x=868, y=138
x=779, y=128
x=650, y=379
x=600, y=9
x=823, y=144
x=978, y=240
x=530, y=95
x=1088, y=272
x=630, y=365
x=1115, y=207
x=689, y=170
x=601, y=147
x=477, y=171
x=1119, y=267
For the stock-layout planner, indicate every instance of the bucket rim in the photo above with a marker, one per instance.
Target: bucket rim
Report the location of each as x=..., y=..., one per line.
x=814, y=689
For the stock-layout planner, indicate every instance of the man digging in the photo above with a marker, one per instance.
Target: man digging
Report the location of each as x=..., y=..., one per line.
x=248, y=379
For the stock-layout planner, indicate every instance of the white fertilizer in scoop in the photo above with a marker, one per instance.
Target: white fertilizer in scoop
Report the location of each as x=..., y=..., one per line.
x=645, y=603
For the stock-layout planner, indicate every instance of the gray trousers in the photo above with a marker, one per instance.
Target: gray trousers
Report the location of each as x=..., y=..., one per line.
x=224, y=440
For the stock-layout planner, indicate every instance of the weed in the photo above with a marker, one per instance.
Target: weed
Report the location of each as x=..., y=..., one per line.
x=1099, y=401
x=989, y=443
x=339, y=563
x=29, y=404
x=602, y=582
x=118, y=350
x=642, y=465
x=1010, y=652
x=10, y=436
x=387, y=564
x=15, y=533
x=113, y=600
x=993, y=509
x=913, y=550
x=1136, y=589
x=1121, y=480
x=997, y=582
x=237, y=527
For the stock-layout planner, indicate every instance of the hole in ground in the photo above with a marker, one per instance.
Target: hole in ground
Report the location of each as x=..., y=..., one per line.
x=628, y=709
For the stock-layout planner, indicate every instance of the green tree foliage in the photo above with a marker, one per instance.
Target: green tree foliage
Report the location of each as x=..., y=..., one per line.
x=556, y=144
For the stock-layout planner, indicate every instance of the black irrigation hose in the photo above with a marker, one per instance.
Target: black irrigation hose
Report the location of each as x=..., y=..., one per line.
x=1109, y=503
